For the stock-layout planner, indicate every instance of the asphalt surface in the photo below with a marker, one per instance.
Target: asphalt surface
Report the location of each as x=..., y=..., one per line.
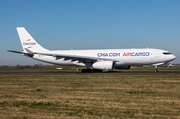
x=79, y=73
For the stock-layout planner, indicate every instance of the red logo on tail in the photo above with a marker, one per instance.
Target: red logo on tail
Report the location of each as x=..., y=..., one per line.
x=28, y=40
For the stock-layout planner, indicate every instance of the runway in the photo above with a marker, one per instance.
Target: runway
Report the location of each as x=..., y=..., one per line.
x=79, y=73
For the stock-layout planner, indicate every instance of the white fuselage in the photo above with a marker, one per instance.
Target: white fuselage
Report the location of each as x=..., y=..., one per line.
x=120, y=56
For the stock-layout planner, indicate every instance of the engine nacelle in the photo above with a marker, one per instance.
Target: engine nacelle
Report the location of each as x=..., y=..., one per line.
x=123, y=67
x=103, y=65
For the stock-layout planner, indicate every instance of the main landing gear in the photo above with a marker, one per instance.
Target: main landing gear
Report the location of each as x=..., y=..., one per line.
x=86, y=70
x=90, y=70
x=155, y=69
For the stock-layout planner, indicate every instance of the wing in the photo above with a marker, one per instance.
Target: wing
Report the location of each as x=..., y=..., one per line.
x=83, y=59
x=79, y=58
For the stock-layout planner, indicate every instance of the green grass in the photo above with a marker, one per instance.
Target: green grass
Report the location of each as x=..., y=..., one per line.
x=89, y=96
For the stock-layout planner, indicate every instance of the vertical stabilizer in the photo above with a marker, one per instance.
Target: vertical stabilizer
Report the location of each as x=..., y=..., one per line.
x=28, y=41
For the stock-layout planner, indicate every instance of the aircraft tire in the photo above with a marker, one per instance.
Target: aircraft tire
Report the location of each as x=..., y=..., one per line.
x=89, y=70
x=100, y=70
x=155, y=70
x=83, y=70
x=95, y=70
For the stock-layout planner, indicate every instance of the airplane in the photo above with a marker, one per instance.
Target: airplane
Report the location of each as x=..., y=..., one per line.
x=94, y=60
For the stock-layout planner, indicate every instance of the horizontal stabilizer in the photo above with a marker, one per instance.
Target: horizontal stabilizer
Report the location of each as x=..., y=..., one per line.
x=16, y=51
x=22, y=53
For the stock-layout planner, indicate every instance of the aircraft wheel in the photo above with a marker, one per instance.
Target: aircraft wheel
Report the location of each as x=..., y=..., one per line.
x=96, y=70
x=89, y=70
x=155, y=70
x=100, y=70
x=83, y=70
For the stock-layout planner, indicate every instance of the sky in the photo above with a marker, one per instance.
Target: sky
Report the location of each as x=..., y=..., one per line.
x=89, y=24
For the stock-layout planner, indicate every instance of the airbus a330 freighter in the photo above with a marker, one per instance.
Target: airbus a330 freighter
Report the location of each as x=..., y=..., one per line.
x=99, y=60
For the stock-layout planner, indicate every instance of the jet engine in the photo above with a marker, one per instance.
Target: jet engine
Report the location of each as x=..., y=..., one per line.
x=103, y=65
x=123, y=67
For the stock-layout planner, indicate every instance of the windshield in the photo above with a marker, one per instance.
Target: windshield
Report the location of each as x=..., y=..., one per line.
x=166, y=53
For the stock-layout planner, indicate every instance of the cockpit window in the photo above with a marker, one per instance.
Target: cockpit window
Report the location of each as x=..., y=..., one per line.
x=166, y=53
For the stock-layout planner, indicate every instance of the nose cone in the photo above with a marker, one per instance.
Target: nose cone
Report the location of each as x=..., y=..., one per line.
x=173, y=57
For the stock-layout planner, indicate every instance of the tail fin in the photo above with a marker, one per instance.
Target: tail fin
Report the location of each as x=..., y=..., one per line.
x=27, y=41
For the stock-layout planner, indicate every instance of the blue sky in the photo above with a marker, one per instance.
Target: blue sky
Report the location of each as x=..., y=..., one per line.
x=89, y=24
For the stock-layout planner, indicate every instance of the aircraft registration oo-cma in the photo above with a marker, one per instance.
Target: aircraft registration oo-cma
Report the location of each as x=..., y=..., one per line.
x=99, y=60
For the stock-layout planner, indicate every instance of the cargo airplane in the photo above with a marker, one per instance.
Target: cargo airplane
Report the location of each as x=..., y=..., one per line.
x=99, y=60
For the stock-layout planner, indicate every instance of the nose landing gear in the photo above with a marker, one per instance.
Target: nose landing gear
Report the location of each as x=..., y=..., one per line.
x=155, y=69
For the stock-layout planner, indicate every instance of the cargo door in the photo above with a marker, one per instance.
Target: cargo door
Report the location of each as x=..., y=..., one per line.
x=156, y=54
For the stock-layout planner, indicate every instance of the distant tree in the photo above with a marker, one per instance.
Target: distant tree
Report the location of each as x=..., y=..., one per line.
x=17, y=67
x=4, y=67
x=36, y=66
x=27, y=67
